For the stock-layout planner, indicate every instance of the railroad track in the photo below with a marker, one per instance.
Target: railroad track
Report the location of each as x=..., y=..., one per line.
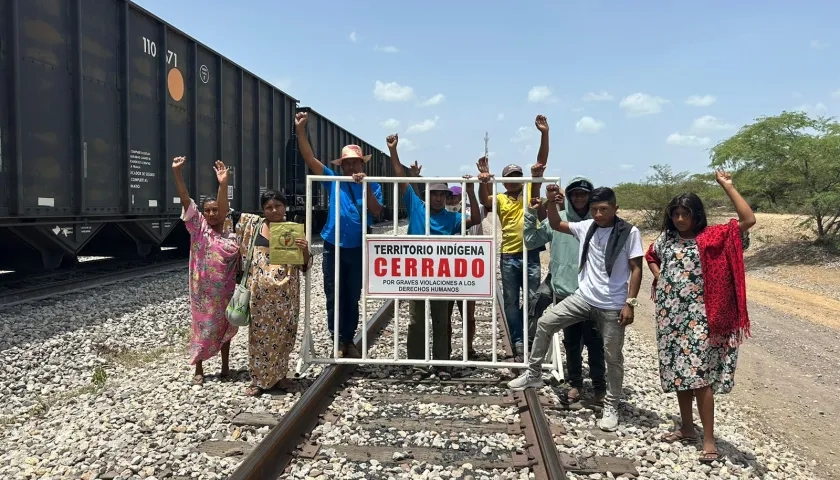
x=16, y=289
x=472, y=421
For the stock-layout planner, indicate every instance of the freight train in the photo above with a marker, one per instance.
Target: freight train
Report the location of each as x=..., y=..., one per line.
x=97, y=96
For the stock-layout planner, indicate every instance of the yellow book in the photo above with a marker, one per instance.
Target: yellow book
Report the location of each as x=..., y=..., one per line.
x=282, y=246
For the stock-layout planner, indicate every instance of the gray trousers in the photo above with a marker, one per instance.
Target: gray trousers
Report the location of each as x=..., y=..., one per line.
x=574, y=309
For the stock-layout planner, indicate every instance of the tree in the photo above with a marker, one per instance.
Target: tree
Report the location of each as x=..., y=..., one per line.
x=790, y=160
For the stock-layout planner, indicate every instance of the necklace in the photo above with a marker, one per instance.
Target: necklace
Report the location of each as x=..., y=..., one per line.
x=599, y=238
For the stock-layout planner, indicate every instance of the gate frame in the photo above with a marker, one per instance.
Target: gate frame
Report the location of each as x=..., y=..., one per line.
x=308, y=357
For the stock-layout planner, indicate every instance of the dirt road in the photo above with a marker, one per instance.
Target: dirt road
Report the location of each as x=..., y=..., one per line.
x=788, y=375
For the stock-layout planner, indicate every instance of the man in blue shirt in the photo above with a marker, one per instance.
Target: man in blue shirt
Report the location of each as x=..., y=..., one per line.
x=352, y=163
x=441, y=222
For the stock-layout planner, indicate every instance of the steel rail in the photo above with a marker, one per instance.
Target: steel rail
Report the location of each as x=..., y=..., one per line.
x=551, y=467
x=271, y=456
x=83, y=282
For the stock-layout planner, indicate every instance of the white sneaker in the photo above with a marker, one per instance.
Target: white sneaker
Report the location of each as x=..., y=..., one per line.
x=525, y=381
x=609, y=419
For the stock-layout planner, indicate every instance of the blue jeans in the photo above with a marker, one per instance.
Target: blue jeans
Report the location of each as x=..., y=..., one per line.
x=349, y=289
x=512, y=290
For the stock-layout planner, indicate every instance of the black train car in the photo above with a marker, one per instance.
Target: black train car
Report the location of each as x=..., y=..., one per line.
x=96, y=97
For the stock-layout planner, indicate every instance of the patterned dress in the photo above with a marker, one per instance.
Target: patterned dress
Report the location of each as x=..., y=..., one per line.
x=212, y=279
x=686, y=358
x=275, y=305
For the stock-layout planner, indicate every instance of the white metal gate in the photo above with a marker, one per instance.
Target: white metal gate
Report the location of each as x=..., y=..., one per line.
x=308, y=354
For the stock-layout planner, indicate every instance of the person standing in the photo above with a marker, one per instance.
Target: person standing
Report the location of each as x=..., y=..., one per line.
x=609, y=280
x=510, y=211
x=349, y=245
x=699, y=288
x=562, y=281
x=213, y=255
x=441, y=222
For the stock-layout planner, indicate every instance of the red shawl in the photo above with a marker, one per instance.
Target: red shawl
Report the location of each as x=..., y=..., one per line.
x=724, y=282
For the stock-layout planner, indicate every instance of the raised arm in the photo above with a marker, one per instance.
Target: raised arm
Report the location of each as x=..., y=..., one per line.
x=222, y=175
x=414, y=172
x=180, y=186
x=746, y=217
x=534, y=231
x=542, y=125
x=303, y=144
x=537, y=170
x=555, y=197
x=475, y=208
x=399, y=171
x=484, y=189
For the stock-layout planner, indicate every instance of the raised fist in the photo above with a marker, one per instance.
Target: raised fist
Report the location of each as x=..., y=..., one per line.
x=537, y=170
x=541, y=123
x=392, y=141
x=300, y=119
x=178, y=163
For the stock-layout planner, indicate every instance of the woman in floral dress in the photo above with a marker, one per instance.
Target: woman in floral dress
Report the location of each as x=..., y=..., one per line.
x=701, y=310
x=213, y=255
x=275, y=296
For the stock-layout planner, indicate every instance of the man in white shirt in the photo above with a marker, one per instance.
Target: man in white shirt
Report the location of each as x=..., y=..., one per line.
x=453, y=204
x=609, y=280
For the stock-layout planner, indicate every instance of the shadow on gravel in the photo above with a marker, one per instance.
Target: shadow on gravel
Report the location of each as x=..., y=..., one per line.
x=727, y=450
x=35, y=321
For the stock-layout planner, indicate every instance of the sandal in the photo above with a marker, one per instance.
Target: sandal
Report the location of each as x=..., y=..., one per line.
x=574, y=395
x=198, y=379
x=709, y=457
x=444, y=375
x=418, y=375
x=253, y=391
x=678, y=437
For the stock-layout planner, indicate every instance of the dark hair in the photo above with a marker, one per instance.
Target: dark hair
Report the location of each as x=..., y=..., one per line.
x=602, y=194
x=269, y=195
x=691, y=202
x=210, y=198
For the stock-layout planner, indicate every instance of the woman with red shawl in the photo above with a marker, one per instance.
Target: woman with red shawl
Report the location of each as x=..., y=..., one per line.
x=699, y=288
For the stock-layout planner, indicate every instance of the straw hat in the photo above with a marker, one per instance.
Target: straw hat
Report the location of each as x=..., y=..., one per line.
x=351, y=151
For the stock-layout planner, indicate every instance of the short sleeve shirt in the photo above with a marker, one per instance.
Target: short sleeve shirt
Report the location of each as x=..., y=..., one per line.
x=349, y=213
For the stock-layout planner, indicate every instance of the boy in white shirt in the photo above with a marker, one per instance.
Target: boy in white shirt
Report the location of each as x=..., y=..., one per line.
x=609, y=280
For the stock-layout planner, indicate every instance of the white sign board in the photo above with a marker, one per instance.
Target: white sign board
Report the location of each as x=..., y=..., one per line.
x=457, y=267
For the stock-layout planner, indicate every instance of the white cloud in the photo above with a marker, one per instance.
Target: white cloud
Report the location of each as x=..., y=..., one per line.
x=687, y=140
x=392, y=92
x=435, y=100
x=387, y=49
x=390, y=124
x=501, y=116
x=589, y=125
x=522, y=134
x=626, y=166
x=597, y=97
x=540, y=94
x=700, y=101
x=423, y=126
x=641, y=104
x=808, y=108
x=352, y=37
x=710, y=123
x=819, y=45
x=836, y=93
x=405, y=145
x=283, y=83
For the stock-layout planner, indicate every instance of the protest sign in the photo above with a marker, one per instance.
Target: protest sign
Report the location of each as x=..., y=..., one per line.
x=446, y=267
x=282, y=248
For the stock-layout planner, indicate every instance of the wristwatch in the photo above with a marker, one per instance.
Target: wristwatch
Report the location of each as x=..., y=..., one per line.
x=633, y=302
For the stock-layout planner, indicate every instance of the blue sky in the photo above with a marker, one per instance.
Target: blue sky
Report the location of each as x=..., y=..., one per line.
x=624, y=85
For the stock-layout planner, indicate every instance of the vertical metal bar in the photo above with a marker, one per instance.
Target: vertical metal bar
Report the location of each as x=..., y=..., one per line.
x=193, y=163
x=269, y=171
x=257, y=131
x=80, y=177
x=526, y=193
x=427, y=313
x=307, y=322
x=395, y=190
x=16, y=107
x=164, y=120
x=494, y=323
x=239, y=178
x=464, y=302
x=336, y=265
x=125, y=109
x=220, y=105
x=364, y=269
